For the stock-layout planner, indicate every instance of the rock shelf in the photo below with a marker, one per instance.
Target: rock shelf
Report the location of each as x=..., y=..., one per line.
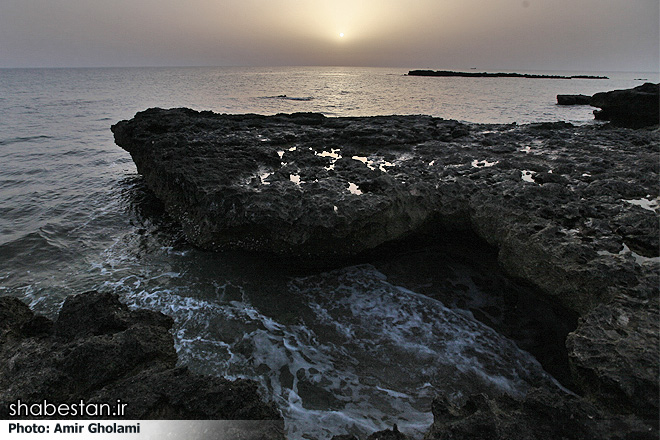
x=572, y=210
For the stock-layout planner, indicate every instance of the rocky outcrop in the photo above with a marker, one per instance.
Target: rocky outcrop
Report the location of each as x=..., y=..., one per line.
x=99, y=351
x=572, y=210
x=637, y=107
x=573, y=99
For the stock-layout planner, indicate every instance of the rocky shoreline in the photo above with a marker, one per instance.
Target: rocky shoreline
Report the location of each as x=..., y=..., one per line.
x=572, y=210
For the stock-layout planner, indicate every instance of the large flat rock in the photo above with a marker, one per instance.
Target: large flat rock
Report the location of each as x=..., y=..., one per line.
x=572, y=210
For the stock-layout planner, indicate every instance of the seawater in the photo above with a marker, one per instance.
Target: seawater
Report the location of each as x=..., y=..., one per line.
x=340, y=351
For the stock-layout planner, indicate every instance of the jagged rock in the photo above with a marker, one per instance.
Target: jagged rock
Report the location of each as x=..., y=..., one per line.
x=100, y=351
x=636, y=107
x=541, y=415
x=573, y=99
x=572, y=210
x=610, y=357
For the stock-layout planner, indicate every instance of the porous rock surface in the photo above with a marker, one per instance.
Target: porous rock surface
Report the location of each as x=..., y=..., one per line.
x=572, y=210
x=99, y=351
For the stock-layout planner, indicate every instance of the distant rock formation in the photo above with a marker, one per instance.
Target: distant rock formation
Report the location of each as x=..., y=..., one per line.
x=450, y=73
x=637, y=107
x=98, y=351
x=573, y=99
x=572, y=210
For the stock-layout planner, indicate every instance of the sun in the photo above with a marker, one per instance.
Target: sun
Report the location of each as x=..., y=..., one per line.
x=341, y=34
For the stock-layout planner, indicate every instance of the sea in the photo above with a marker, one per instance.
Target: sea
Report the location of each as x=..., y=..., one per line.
x=344, y=350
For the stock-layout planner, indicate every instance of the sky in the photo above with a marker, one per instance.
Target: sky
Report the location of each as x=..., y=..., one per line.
x=572, y=35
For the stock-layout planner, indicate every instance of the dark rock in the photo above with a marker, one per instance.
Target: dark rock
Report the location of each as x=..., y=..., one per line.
x=540, y=415
x=573, y=99
x=100, y=351
x=636, y=107
x=570, y=209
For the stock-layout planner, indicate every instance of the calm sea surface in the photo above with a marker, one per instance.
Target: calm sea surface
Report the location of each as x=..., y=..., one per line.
x=344, y=351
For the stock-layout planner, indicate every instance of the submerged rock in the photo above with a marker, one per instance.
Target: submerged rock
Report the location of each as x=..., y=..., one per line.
x=572, y=210
x=636, y=107
x=99, y=351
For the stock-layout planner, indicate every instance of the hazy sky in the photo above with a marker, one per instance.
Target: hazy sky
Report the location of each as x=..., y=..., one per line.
x=581, y=35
